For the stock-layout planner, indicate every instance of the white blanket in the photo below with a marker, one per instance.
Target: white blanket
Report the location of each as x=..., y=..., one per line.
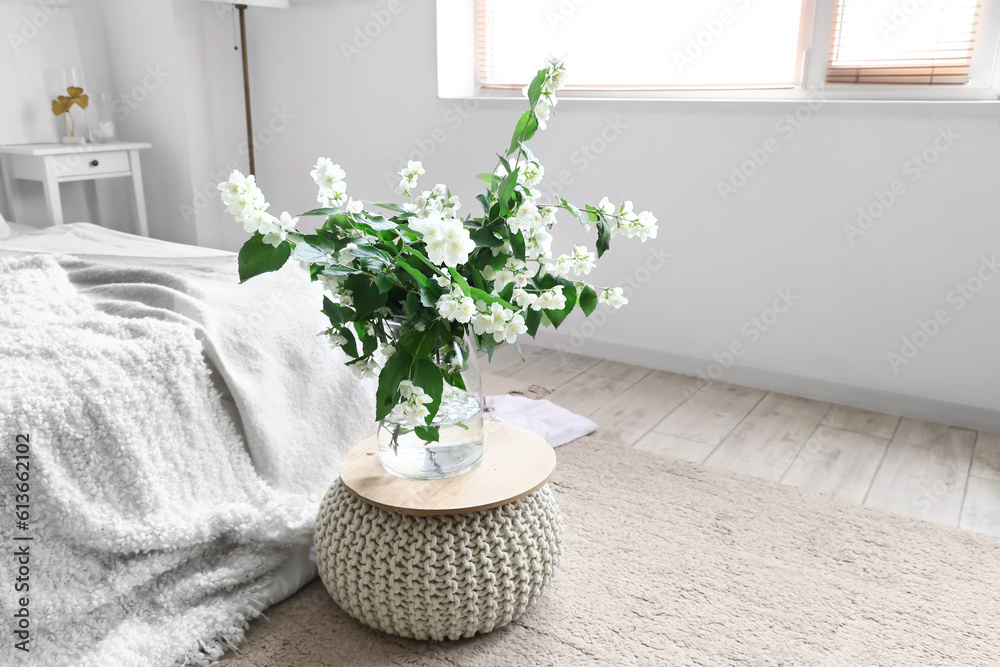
x=154, y=522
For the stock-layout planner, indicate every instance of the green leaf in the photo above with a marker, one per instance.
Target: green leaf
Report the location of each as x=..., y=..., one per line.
x=503, y=161
x=527, y=124
x=321, y=211
x=481, y=295
x=412, y=303
x=379, y=223
x=371, y=252
x=337, y=270
x=517, y=245
x=339, y=315
x=535, y=88
x=368, y=344
x=427, y=376
x=423, y=258
x=429, y=295
x=314, y=248
x=507, y=292
x=340, y=220
x=484, y=202
x=588, y=300
x=486, y=178
x=419, y=277
x=603, y=236
x=257, y=257
x=351, y=346
x=576, y=213
x=366, y=296
x=396, y=369
x=392, y=207
x=462, y=282
x=384, y=281
x=532, y=319
x=427, y=433
x=506, y=192
x=557, y=316
x=486, y=237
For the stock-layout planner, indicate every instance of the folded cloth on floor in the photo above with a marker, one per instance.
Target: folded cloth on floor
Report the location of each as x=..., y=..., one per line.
x=557, y=425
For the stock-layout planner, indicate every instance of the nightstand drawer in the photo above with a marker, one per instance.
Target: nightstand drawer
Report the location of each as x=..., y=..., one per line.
x=90, y=164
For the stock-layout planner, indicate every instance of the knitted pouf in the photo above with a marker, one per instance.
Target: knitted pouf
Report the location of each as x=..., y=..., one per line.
x=437, y=577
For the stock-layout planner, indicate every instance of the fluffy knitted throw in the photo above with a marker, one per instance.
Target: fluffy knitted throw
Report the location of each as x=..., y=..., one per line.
x=155, y=523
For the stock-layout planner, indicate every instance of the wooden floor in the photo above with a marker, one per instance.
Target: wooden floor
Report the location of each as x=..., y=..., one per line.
x=940, y=473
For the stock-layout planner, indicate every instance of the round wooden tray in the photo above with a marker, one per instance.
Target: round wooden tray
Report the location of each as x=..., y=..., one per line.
x=516, y=463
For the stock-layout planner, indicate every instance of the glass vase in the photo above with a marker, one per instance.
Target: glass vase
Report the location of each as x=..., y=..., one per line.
x=459, y=421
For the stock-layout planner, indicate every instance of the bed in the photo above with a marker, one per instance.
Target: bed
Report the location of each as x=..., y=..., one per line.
x=183, y=431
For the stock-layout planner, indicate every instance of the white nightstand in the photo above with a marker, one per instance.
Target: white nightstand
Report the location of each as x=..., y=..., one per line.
x=53, y=164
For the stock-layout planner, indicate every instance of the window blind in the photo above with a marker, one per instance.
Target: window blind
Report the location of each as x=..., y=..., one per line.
x=908, y=42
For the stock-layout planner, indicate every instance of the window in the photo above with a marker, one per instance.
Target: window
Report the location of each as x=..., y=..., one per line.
x=725, y=49
x=638, y=44
x=893, y=42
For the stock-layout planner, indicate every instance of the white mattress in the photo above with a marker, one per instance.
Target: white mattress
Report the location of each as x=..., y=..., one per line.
x=84, y=238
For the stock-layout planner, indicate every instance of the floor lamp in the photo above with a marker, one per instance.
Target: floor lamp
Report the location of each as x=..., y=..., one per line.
x=241, y=8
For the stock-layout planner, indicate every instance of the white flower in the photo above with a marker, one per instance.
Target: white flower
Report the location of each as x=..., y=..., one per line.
x=415, y=413
x=409, y=175
x=443, y=281
x=555, y=77
x=524, y=299
x=346, y=256
x=512, y=329
x=492, y=319
x=245, y=202
x=562, y=266
x=530, y=174
x=548, y=216
x=543, y=112
x=413, y=168
x=527, y=218
x=407, y=388
x=335, y=339
x=538, y=243
x=613, y=296
x=413, y=400
x=332, y=284
x=439, y=190
x=582, y=260
x=626, y=211
x=365, y=369
x=447, y=241
x=457, y=307
x=606, y=207
x=642, y=225
x=356, y=206
x=278, y=228
x=552, y=299
x=646, y=226
x=330, y=179
x=257, y=220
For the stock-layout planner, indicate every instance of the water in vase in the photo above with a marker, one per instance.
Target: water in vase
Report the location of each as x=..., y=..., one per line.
x=460, y=448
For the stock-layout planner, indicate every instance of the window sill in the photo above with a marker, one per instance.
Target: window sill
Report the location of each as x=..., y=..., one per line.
x=970, y=102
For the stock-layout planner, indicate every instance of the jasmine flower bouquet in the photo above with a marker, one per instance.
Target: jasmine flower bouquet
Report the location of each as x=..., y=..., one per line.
x=404, y=281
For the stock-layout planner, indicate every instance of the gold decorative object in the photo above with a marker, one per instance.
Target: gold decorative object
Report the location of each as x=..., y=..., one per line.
x=61, y=107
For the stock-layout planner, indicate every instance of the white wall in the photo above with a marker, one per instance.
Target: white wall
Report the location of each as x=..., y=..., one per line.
x=783, y=230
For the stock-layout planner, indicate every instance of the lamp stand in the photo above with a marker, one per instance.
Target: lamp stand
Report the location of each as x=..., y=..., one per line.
x=246, y=82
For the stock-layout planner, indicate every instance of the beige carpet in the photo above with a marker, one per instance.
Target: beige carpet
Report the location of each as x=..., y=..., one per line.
x=670, y=563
